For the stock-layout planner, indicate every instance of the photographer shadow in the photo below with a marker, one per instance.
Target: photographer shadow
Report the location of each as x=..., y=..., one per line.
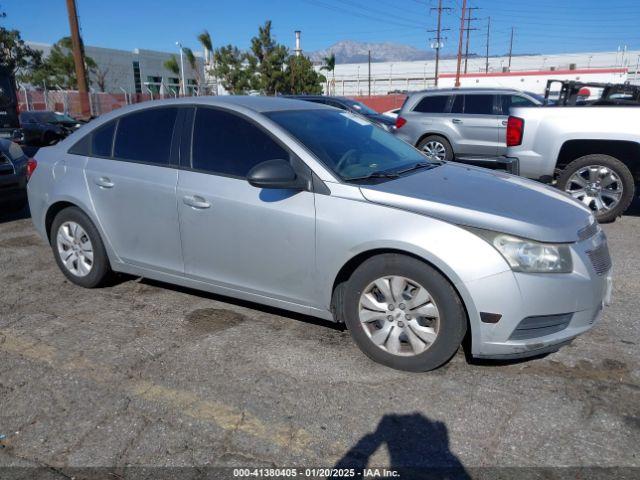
x=418, y=449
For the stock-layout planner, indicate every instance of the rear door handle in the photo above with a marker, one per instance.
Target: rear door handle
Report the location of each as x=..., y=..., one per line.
x=195, y=201
x=456, y=120
x=504, y=123
x=104, y=182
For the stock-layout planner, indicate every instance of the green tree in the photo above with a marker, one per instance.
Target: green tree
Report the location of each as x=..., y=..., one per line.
x=15, y=55
x=172, y=65
x=58, y=69
x=301, y=77
x=235, y=69
x=270, y=57
x=205, y=40
x=329, y=65
x=193, y=63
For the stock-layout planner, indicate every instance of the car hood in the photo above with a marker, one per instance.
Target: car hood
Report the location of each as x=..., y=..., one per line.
x=486, y=199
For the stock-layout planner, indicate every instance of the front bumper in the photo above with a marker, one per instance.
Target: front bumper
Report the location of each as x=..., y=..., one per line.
x=578, y=297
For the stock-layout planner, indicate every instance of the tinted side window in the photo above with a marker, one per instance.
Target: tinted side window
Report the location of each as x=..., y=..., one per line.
x=227, y=144
x=478, y=104
x=509, y=101
x=432, y=104
x=102, y=140
x=146, y=136
x=458, y=104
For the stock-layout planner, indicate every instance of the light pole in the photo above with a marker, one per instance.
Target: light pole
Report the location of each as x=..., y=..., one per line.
x=182, y=87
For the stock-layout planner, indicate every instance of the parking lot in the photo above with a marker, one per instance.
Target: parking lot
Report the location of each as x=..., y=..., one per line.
x=142, y=373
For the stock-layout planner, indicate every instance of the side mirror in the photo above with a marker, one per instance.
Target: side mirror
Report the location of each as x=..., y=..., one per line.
x=275, y=174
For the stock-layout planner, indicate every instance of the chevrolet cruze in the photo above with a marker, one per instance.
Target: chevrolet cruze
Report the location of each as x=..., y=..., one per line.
x=315, y=210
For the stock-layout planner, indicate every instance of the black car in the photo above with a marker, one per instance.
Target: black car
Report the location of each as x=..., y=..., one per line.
x=352, y=106
x=15, y=170
x=46, y=127
x=9, y=123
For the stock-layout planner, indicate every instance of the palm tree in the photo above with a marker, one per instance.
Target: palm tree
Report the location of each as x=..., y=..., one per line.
x=205, y=40
x=173, y=66
x=330, y=66
x=209, y=61
x=193, y=63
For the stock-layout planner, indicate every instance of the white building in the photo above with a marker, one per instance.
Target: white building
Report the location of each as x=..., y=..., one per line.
x=137, y=71
x=529, y=72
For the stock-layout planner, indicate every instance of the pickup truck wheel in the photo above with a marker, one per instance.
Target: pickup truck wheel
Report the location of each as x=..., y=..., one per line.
x=436, y=148
x=601, y=182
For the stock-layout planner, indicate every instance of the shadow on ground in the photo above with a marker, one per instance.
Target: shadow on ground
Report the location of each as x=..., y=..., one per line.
x=11, y=212
x=418, y=449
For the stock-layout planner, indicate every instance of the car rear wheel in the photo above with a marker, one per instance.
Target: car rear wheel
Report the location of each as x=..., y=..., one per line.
x=601, y=182
x=402, y=313
x=78, y=248
x=436, y=148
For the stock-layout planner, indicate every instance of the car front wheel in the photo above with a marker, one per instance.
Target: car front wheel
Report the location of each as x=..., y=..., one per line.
x=437, y=148
x=402, y=313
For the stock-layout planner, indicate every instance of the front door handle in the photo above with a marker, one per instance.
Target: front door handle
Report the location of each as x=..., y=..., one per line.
x=195, y=201
x=456, y=120
x=104, y=182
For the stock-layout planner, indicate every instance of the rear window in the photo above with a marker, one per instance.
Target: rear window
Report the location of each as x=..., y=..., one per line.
x=146, y=136
x=102, y=140
x=432, y=104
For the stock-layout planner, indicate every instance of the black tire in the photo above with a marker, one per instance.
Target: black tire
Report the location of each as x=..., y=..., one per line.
x=453, y=319
x=621, y=170
x=100, y=270
x=448, y=156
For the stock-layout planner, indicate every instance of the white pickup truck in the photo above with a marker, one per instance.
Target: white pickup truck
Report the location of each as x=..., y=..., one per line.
x=590, y=152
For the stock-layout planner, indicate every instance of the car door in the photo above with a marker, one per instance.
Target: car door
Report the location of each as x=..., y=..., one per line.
x=505, y=102
x=235, y=235
x=132, y=181
x=476, y=123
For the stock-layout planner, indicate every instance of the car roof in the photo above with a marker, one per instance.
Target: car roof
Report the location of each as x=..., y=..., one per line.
x=257, y=103
x=448, y=91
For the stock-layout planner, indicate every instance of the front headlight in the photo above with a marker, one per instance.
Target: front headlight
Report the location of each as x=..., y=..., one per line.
x=529, y=256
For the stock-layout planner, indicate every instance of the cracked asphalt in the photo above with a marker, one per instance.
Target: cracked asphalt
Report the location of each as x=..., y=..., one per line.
x=147, y=374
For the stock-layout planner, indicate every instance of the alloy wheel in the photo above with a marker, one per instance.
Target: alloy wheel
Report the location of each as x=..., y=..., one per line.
x=75, y=249
x=399, y=315
x=435, y=150
x=598, y=187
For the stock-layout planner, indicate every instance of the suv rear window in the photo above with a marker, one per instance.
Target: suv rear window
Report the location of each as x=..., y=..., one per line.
x=432, y=104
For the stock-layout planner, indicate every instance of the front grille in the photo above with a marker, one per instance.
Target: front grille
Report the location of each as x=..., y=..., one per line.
x=534, y=327
x=600, y=258
x=588, y=231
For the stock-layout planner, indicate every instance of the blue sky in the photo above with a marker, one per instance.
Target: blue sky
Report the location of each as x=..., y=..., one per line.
x=541, y=26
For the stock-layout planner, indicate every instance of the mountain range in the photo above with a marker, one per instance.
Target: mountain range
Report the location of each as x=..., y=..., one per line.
x=348, y=51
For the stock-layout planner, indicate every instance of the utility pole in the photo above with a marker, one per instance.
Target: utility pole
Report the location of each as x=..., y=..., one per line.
x=468, y=30
x=78, y=58
x=510, y=48
x=486, y=65
x=464, y=10
x=369, y=73
x=438, y=40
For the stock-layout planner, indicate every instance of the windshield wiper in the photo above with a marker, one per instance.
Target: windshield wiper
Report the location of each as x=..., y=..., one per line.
x=377, y=174
x=417, y=166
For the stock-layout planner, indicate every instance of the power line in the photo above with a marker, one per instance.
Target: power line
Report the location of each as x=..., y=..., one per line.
x=468, y=31
x=464, y=7
x=438, y=39
x=510, y=48
x=486, y=65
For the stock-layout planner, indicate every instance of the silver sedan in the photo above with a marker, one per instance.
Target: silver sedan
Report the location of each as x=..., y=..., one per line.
x=315, y=210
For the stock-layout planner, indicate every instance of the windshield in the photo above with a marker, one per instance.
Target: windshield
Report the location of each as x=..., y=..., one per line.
x=63, y=117
x=360, y=107
x=350, y=146
x=539, y=98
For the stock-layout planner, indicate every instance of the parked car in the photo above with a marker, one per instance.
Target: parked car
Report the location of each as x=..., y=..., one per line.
x=46, y=127
x=15, y=169
x=352, y=106
x=300, y=206
x=9, y=123
x=591, y=152
x=465, y=124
